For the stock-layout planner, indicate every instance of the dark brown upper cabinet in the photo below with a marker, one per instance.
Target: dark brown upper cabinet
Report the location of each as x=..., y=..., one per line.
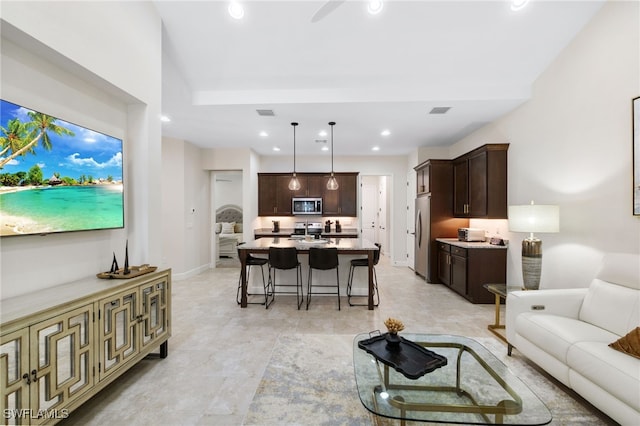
x=274, y=195
x=480, y=183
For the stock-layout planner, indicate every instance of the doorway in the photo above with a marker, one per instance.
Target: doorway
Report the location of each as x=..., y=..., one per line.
x=374, y=217
x=226, y=206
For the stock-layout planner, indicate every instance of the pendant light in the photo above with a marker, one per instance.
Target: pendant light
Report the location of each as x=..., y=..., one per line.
x=332, y=183
x=294, y=183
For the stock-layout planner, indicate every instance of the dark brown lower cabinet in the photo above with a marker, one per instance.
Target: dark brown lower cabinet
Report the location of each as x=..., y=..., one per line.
x=466, y=269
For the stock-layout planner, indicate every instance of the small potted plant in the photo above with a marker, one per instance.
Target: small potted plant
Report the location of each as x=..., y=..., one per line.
x=393, y=327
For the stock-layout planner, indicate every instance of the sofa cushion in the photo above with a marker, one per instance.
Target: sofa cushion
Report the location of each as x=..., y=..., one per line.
x=610, y=306
x=556, y=334
x=629, y=343
x=621, y=268
x=613, y=371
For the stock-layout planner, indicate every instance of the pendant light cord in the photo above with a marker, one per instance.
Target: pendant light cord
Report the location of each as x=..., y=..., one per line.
x=332, y=124
x=294, y=147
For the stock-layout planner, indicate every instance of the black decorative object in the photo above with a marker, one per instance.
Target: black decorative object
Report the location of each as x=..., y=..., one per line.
x=410, y=359
x=114, y=264
x=126, y=259
x=393, y=341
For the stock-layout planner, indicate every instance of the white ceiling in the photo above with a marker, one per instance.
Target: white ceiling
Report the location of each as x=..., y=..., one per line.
x=367, y=73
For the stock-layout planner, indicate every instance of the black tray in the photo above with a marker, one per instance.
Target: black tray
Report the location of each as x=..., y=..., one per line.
x=407, y=357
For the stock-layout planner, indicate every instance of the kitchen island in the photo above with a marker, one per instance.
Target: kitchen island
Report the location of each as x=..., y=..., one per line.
x=348, y=248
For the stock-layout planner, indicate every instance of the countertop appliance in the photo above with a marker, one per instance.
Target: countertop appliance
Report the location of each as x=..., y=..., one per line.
x=312, y=228
x=310, y=206
x=470, y=234
x=276, y=226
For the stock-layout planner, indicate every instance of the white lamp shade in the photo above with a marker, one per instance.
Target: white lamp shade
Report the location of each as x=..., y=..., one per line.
x=534, y=218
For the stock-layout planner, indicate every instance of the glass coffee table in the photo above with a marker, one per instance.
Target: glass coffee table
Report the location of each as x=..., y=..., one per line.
x=474, y=387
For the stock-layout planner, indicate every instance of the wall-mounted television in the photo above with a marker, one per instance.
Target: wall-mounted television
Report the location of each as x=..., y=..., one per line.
x=56, y=176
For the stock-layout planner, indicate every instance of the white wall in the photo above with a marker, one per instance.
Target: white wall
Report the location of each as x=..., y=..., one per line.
x=186, y=209
x=571, y=146
x=227, y=188
x=50, y=63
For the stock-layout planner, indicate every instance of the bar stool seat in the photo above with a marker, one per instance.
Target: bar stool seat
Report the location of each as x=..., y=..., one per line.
x=285, y=258
x=364, y=262
x=323, y=259
x=254, y=261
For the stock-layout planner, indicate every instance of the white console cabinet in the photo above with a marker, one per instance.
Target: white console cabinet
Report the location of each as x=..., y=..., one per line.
x=62, y=345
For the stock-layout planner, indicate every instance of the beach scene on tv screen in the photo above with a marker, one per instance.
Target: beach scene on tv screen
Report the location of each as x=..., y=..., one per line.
x=56, y=176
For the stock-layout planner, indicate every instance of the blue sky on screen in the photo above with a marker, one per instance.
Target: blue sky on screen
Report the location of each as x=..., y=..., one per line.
x=87, y=153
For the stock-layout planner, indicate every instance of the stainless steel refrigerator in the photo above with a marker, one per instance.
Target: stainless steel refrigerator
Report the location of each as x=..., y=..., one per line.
x=422, y=240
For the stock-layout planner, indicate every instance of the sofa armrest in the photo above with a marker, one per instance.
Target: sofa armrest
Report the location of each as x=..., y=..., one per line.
x=561, y=302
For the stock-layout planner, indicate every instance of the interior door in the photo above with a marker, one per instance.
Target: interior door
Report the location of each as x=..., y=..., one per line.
x=383, y=229
x=369, y=211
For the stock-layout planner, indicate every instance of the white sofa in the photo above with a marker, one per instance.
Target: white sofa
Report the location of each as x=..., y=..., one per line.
x=567, y=332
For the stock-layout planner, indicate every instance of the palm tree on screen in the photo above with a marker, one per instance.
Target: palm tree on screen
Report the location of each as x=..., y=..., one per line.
x=27, y=135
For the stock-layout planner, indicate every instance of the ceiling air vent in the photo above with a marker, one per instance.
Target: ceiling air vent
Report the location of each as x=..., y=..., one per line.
x=265, y=112
x=439, y=110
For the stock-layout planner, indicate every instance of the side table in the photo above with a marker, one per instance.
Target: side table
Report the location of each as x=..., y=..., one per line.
x=500, y=291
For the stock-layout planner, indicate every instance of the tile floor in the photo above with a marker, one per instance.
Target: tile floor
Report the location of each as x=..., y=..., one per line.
x=219, y=352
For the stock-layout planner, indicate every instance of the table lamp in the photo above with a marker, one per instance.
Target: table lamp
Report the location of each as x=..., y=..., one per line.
x=533, y=218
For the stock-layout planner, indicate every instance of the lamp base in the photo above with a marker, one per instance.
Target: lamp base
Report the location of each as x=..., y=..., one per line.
x=531, y=263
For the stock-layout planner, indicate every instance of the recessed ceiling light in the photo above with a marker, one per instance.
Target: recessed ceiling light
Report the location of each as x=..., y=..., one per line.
x=165, y=119
x=276, y=148
x=385, y=132
x=236, y=10
x=518, y=4
x=375, y=148
x=374, y=7
x=322, y=133
x=264, y=134
x=325, y=148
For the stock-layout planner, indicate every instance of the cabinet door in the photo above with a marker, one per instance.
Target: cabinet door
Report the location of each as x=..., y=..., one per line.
x=477, y=194
x=155, y=300
x=284, y=194
x=15, y=374
x=267, y=195
x=444, y=267
x=348, y=195
x=61, y=359
x=422, y=180
x=460, y=188
x=316, y=185
x=344, y=200
x=118, y=327
x=459, y=274
x=330, y=199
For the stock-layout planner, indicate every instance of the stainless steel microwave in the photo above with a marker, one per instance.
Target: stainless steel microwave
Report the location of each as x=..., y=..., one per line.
x=311, y=206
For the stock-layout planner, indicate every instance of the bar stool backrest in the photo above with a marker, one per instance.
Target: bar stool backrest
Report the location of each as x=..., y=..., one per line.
x=283, y=257
x=376, y=254
x=323, y=258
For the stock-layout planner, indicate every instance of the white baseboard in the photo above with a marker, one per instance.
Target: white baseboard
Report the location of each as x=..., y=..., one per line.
x=189, y=274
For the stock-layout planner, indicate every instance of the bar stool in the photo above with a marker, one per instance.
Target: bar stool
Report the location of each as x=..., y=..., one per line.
x=254, y=261
x=285, y=258
x=323, y=259
x=364, y=262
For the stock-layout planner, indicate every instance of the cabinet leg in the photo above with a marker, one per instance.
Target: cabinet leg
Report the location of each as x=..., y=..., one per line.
x=164, y=349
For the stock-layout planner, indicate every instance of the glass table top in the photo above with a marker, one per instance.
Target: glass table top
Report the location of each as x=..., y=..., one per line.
x=474, y=388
